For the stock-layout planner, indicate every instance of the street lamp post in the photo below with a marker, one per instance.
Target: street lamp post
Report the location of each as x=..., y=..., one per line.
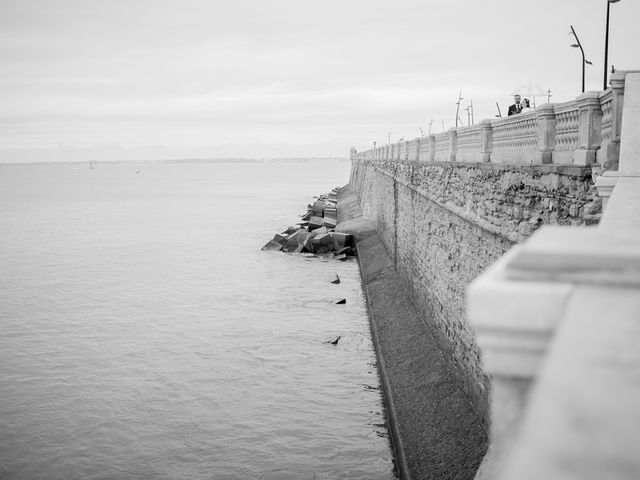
x=606, y=43
x=584, y=60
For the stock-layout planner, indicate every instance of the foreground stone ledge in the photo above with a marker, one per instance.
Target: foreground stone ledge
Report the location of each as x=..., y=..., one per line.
x=579, y=414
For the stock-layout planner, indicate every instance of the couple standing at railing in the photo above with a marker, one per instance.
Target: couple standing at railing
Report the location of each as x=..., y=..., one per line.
x=519, y=106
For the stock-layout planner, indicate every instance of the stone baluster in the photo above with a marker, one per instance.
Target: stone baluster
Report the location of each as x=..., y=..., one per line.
x=613, y=149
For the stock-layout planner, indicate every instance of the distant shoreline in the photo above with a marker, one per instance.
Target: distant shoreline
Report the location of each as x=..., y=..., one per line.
x=190, y=160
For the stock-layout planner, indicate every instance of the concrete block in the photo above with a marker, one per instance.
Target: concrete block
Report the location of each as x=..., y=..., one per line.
x=315, y=222
x=342, y=239
x=279, y=238
x=296, y=242
x=329, y=222
x=317, y=209
x=272, y=246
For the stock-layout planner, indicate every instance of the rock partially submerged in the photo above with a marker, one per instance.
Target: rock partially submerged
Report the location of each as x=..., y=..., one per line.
x=314, y=233
x=334, y=341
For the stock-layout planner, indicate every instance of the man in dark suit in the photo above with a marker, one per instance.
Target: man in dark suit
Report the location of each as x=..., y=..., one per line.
x=516, y=107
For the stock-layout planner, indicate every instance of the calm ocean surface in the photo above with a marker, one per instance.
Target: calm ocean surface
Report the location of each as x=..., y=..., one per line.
x=144, y=335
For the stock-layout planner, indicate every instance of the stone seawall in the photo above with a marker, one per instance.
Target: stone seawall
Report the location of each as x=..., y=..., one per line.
x=435, y=430
x=443, y=223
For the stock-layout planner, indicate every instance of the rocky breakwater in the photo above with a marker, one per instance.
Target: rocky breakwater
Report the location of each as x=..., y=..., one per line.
x=315, y=232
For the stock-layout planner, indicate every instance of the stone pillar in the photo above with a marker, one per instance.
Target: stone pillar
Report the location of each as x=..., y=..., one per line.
x=486, y=134
x=589, y=123
x=453, y=144
x=352, y=153
x=546, y=122
x=432, y=148
x=613, y=149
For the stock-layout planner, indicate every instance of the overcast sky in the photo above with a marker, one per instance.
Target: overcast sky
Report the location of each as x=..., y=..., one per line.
x=153, y=79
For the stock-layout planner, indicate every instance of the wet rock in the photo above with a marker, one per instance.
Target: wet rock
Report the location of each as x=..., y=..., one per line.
x=342, y=301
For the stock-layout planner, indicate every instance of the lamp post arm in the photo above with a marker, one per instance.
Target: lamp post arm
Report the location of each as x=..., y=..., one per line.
x=606, y=47
x=582, y=52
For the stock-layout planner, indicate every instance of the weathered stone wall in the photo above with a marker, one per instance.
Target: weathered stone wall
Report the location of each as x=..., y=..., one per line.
x=443, y=223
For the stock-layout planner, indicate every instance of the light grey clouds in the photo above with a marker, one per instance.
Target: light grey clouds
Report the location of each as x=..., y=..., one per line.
x=278, y=77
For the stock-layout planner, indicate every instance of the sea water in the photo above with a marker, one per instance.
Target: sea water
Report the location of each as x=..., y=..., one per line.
x=145, y=335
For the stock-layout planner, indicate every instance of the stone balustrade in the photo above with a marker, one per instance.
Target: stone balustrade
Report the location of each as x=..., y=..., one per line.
x=584, y=131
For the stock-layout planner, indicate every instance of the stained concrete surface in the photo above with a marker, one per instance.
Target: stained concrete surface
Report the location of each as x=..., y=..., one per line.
x=436, y=434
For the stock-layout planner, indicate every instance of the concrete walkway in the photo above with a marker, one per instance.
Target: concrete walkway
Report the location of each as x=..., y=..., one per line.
x=434, y=430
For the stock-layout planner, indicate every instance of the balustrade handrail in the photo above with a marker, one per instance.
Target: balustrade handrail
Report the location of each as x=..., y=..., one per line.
x=584, y=131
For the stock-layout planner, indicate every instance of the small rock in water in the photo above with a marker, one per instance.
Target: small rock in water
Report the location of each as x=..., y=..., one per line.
x=336, y=280
x=334, y=341
x=341, y=302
